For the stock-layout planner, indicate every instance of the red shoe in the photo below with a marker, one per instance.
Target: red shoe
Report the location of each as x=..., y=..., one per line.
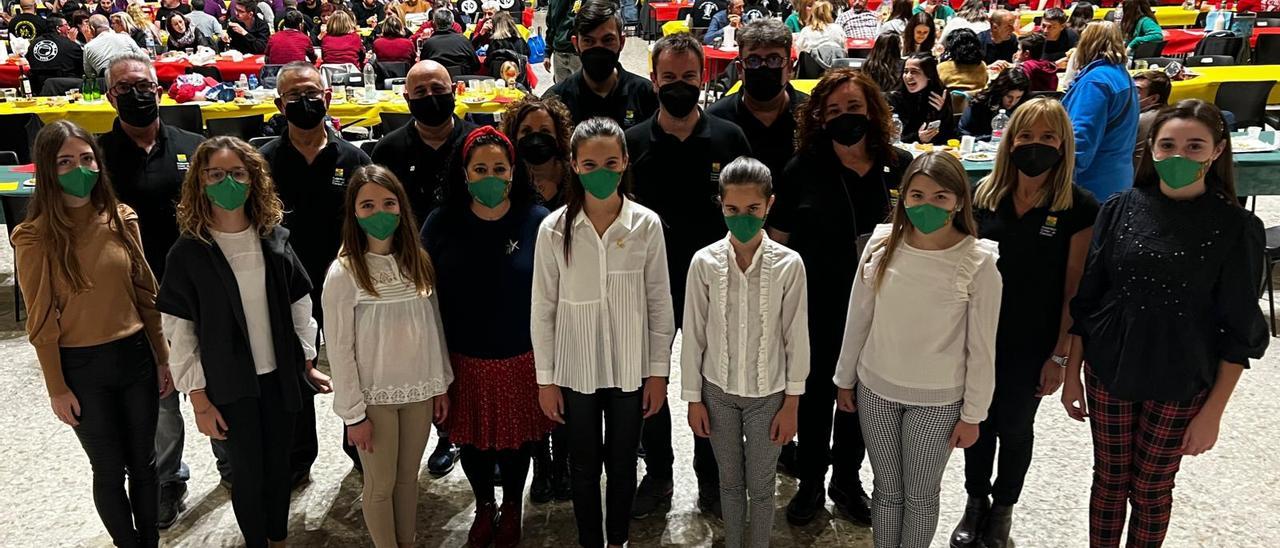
x=481, y=534
x=508, y=527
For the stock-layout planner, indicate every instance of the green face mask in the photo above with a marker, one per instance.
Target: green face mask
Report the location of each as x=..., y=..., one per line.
x=601, y=182
x=1180, y=171
x=380, y=225
x=744, y=227
x=228, y=194
x=489, y=191
x=928, y=217
x=79, y=181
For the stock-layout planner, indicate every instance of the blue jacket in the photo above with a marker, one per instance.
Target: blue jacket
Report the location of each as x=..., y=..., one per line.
x=716, y=28
x=1103, y=106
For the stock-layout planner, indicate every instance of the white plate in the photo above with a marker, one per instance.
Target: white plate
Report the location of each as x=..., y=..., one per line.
x=1248, y=144
x=979, y=157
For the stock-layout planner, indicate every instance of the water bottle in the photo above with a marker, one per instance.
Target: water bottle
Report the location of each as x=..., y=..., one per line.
x=243, y=83
x=151, y=45
x=997, y=126
x=897, y=129
x=370, y=80
x=253, y=81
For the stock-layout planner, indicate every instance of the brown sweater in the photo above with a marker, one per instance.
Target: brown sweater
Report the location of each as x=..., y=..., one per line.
x=120, y=302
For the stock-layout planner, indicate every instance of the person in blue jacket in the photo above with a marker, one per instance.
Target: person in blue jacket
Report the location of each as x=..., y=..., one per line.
x=1103, y=106
x=731, y=17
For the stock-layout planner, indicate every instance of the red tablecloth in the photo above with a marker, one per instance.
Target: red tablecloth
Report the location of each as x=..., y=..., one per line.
x=167, y=72
x=667, y=11
x=1184, y=41
x=10, y=77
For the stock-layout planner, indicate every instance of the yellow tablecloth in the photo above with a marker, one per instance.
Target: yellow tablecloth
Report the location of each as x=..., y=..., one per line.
x=98, y=118
x=1167, y=16
x=1206, y=85
x=804, y=86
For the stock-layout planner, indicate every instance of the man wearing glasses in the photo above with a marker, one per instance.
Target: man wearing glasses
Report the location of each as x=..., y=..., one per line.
x=146, y=162
x=54, y=53
x=311, y=165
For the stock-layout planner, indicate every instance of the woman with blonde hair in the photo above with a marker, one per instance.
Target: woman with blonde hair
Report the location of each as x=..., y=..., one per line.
x=122, y=23
x=820, y=31
x=506, y=35
x=236, y=306
x=91, y=316
x=799, y=15
x=1043, y=224
x=1104, y=112
x=918, y=362
x=386, y=346
x=341, y=44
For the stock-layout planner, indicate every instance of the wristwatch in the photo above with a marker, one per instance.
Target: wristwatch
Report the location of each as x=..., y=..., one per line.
x=1060, y=360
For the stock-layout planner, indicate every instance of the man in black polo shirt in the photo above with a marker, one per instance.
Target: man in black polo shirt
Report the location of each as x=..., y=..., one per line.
x=146, y=162
x=602, y=87
x=54, y=54
x=311, y=165
x=765, y=110
x=420, y=152
x=676, y=157
x=1000, y=42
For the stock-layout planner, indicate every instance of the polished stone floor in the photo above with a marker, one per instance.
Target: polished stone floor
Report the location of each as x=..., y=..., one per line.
x=1229, y=497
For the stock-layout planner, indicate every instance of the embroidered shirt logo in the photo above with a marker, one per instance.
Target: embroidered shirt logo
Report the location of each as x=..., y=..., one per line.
x=183, y=165
x=893, y=197
x=715, y=172
x=338, y=178
x=1050, y=227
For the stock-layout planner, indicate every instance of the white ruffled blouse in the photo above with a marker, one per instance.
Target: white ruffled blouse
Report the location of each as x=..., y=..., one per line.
x=384, y=349
x=927, y=336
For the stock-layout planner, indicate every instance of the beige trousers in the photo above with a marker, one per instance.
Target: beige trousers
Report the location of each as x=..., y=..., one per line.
x=391, y=470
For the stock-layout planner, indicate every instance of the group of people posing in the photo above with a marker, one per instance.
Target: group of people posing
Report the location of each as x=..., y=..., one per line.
x=521, y=289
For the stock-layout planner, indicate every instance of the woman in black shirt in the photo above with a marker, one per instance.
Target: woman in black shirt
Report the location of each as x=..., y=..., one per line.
x=1168, y=315
x=921, y=102
x=840, y=185
x=1043, y=223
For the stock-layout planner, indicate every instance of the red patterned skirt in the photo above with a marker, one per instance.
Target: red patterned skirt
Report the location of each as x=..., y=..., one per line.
x=493, y=404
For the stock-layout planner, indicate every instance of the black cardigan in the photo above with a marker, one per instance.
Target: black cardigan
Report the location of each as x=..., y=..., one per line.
x=199, y=286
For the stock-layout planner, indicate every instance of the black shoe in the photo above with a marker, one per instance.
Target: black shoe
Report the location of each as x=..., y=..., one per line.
x=805, y=505
x=787, y=459
x=441, y=461
x=652, y=495
x=561, y=483
x=967, y=531
x=995, y=533
x=852, y=504
x=709, y=503
x=540, y=488
x=171, y=504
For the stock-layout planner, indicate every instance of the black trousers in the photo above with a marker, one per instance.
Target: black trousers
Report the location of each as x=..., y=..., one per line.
x=659, y=453
x=115, y=384
x=478, y=465
x=619, y=415
x=306, y=446
x=827, y=437
x=1012, y=421
x=259, y=436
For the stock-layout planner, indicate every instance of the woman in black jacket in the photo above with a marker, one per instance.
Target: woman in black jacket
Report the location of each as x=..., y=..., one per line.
x=1006, y=92
x=921, y=102
x=237, y=312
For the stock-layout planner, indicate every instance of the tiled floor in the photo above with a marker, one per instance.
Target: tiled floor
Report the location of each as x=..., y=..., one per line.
x=1229, y=497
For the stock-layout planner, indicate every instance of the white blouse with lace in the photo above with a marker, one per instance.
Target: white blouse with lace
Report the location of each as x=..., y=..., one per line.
x=384, y=349
x=927, y=336
x=602, y=319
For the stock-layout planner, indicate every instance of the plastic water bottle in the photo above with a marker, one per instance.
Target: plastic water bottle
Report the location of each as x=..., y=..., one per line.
x=253, y=81
x=997, y=126
x=897, y=129
x=370, y=79
x=242, y=83
x=151, y=45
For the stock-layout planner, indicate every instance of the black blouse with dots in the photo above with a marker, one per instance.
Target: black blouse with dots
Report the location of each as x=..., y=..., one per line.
x=1170, y=290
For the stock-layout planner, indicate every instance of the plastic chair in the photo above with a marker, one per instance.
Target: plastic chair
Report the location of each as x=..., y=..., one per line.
x=392, y=121
x=1247, y=100
x=1210, y=61
x=1220, y=43
x=18, y=133
x=809, y=67
x=1263, y=23
x=1148, y=49
x=186, y=117
x=334, y=70
x=386, y=70
x=208, y=71
x=1268, y=50
x=244, y=127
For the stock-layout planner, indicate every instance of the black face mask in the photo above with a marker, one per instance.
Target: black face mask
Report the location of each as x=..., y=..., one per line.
x=598, y=63
x=764, y=83
x=536, y=148
x=678, y=98
x=1034, y=159
x=848, y=129
x=305, y=113
x=137, y=109
x=432, y=110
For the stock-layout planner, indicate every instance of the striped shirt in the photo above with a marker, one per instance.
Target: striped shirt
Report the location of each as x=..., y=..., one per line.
x=602, y=319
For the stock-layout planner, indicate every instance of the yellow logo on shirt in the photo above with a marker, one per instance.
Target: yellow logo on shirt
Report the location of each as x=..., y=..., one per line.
x=182, y=157
x=1051, y=221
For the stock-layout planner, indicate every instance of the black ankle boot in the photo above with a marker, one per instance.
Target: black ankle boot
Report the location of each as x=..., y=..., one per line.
x=540, y=490
x=995, y=533
x=967, y=532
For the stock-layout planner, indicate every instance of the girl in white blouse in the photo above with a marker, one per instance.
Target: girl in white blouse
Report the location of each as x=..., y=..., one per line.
x=745, y=352
x=602, y=326
x=919, y=345
x=390, y=367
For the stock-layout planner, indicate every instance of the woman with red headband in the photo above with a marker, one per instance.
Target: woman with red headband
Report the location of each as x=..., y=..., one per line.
x=481, y=240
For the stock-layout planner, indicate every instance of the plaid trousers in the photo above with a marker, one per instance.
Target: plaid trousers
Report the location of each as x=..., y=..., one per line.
x=1136, y=454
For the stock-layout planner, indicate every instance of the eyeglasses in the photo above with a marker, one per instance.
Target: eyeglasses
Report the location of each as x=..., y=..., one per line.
x=141, y=87
x=295, y=96
x=755, y=61
x=217, y=174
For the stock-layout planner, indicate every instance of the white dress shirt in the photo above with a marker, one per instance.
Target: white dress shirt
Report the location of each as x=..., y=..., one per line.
x=927, y=335
x=243, y=251
x=602, y=319
x=745, y=332
x=384, y=349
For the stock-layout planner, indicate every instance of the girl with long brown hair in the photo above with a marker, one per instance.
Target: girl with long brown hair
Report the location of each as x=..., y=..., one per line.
x=386, y=347
x=919, y=345
x=237, y=310
x=92, y=319
x=1168, y=315
x=840, y=185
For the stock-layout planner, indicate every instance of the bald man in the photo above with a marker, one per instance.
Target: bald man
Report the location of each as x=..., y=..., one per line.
x=1001, y=42
x=27, y=24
